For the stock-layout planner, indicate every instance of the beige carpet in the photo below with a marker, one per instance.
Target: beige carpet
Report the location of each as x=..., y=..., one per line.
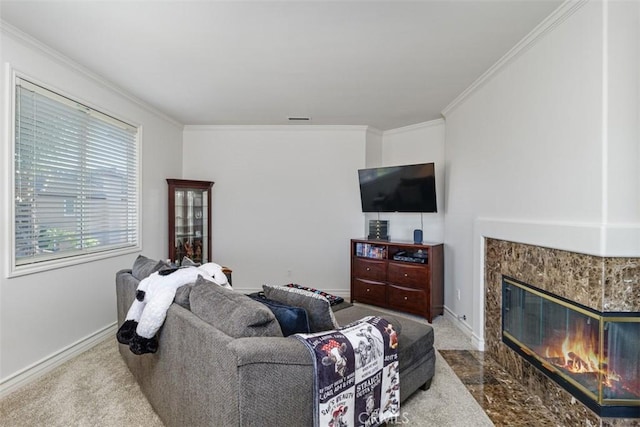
x=93, y=389
x=96, y=389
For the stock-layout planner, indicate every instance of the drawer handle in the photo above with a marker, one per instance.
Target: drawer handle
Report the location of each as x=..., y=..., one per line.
x=406, y=298
x=406, y=275
x=368, y=269
x=368, y=289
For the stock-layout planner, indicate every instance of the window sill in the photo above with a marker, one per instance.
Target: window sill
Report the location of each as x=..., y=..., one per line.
x=39, y=267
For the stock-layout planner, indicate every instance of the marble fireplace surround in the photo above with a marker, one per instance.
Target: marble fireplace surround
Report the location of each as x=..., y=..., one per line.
x=601, y=283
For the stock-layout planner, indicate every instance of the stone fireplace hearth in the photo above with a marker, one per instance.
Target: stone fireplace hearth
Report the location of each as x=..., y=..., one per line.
x=601, y=283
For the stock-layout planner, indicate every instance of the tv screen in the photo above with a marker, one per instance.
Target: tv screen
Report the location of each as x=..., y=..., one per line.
x=408, y=188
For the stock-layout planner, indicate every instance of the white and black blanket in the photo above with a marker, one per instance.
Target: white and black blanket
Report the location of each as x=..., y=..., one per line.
x=357, y=381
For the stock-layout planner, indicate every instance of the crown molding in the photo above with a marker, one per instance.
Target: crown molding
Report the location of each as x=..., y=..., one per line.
x=279, y=128
x=564, y=11
x=24, y=38
x=414, y=127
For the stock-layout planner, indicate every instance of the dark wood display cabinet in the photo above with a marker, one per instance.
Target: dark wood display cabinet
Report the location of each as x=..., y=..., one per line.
x=189, y=220
x=402, y=276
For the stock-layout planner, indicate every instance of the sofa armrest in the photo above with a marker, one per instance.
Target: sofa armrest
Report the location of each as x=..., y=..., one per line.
x=276, y=350
x=126, y=286
x=269, y=368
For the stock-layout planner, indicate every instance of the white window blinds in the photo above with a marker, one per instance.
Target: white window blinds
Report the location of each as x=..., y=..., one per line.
x=75, y=178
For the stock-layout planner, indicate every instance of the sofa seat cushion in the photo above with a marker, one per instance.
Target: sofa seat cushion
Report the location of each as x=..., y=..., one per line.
x=231, y=312
x=415, y=339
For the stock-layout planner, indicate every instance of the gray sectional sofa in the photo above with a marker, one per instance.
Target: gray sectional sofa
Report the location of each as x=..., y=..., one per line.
x=204, y=374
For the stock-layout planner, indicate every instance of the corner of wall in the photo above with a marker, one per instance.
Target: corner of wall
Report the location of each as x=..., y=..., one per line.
x=373, y=147
x=565, y=10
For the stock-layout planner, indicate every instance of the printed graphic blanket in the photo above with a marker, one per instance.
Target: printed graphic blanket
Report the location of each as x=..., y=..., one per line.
x=333, y=299
x=357, y=381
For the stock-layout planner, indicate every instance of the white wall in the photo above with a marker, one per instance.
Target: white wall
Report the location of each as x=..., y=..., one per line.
x=43, y=315
x=419, y=143
x=622, y=133
x=527, y=152
x=286, y=200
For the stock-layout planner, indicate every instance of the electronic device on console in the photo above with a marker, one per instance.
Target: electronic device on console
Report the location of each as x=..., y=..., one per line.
x=419, y=256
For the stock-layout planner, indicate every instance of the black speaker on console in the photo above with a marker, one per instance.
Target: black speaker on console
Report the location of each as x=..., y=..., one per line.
x=417, y=237
x=378, y=230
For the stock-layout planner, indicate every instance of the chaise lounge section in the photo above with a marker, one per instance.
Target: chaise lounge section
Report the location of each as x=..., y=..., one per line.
x=202, y=376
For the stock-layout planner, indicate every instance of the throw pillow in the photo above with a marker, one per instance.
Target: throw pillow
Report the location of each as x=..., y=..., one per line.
x=318, y=309
x=333, y=299
x=233, y=313
x=292, y=320
x=144, y=267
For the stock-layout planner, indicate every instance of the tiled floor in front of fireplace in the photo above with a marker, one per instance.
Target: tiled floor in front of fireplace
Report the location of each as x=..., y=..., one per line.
x=506, y=402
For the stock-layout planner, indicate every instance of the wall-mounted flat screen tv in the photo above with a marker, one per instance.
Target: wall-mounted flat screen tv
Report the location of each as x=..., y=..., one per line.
x=407, y=188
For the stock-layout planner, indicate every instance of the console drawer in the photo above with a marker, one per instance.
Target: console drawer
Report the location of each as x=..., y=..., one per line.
x=370, y=269
x=409, y=275
x=407, y=299
x=369, y=291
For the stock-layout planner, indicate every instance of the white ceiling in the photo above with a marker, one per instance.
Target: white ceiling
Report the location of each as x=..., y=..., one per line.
x=386, y=64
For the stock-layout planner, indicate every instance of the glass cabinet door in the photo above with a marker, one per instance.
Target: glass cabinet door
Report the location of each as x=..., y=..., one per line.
x=189, y=220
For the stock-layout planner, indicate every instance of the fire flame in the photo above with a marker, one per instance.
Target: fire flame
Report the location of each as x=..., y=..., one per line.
x=578, y=353
x=579, y=356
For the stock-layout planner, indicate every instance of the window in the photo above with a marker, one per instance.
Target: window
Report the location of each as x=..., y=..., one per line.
x=76, y=175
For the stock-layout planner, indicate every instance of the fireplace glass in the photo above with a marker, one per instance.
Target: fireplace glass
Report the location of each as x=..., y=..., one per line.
x=594, y=355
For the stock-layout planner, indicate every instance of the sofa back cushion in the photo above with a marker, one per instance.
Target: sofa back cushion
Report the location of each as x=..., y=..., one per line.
x=144, y=267
x=318, y=309
x=182, y=295
x=233, y=313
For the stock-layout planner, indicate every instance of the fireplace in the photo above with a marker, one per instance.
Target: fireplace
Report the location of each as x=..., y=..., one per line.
x=593, y=355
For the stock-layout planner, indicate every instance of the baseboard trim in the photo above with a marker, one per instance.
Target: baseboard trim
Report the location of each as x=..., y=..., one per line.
x=46, y=365
x=464, y=327
x=477, y=342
